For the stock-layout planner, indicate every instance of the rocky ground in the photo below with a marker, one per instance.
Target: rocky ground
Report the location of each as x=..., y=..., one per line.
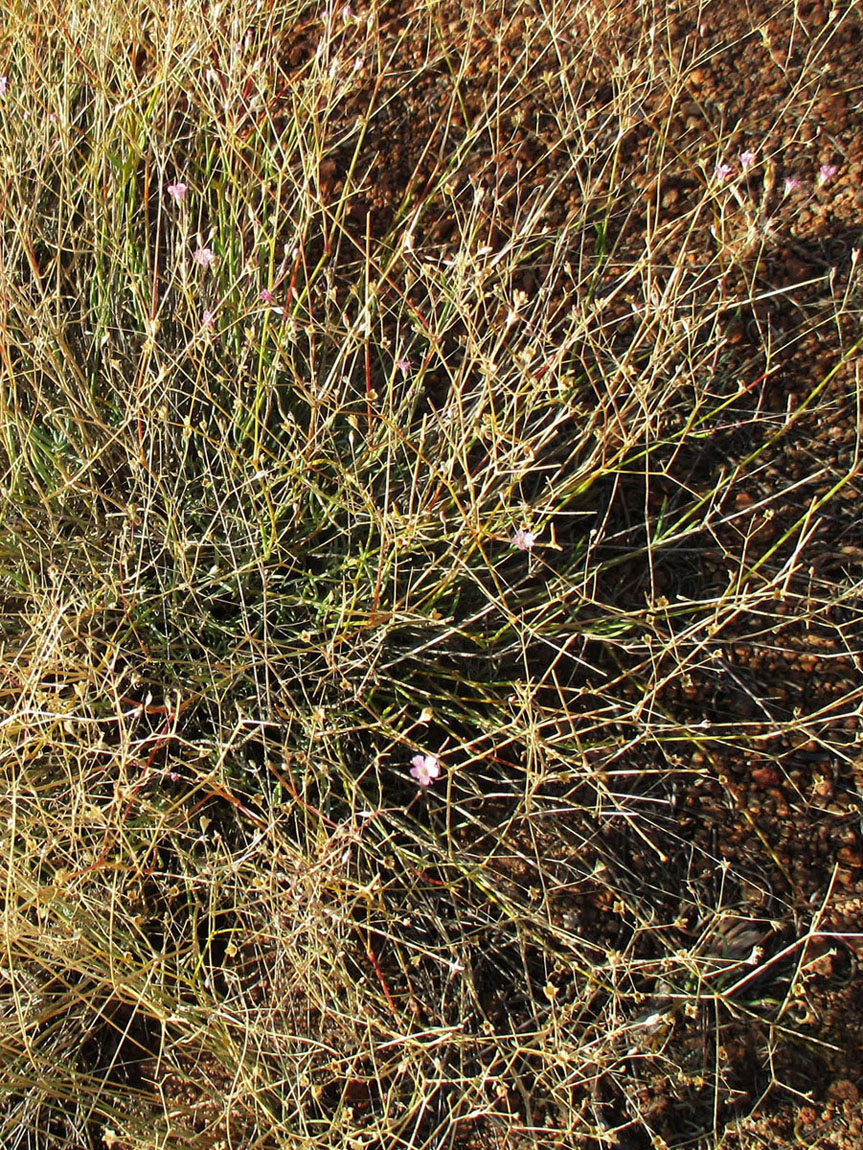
x=750, y=857
x=667, y=946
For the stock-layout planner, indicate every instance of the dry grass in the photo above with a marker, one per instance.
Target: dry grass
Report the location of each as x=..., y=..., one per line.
x=257, y=553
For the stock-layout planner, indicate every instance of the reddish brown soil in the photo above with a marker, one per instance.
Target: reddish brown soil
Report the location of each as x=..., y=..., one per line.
x=765, y=829
x=756, y=829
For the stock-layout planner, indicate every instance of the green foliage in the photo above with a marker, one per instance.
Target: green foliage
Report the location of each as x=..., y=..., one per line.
x=257, y=552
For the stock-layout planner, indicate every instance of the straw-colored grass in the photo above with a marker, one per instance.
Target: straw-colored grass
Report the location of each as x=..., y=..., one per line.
x=257, y=552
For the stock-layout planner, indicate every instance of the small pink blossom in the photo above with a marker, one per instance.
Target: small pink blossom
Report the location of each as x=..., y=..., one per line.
x=792, y=183
x=524, y=540
x=208, y=319
x=204, y=257
x=266, y=296
x=404, y=366
x=425, y=769
x=4, y=86
x=722, y=173
x=747, y=159
x=826, y=174
x=177, y=191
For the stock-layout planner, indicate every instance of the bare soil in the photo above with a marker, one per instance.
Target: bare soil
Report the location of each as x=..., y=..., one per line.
x=750, y=853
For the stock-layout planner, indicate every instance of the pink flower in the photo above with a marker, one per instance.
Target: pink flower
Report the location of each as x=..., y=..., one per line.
x=204, y=257
x=404, y=366
x=208, y=319
x=792, y=183
x=827, y=173
x=177, y=191
x=722, y=173
x=4, y=86
x=523, y=540
x=425, y=769
x=747, y=159
x=266, y=296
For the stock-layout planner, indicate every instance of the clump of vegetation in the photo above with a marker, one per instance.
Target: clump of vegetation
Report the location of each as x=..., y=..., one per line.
x=425, y=489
